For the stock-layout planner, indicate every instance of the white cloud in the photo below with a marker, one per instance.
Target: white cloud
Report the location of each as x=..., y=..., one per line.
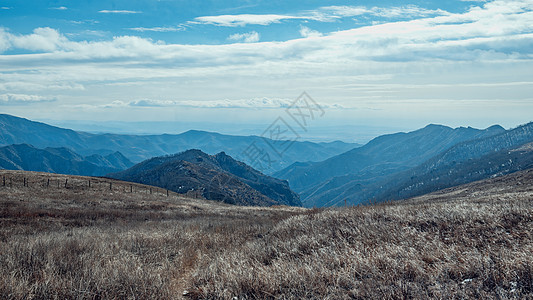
x=21, y=99
x=493, y=39
x=4, y=40
x=322, y=14
x=40, y=86
x=242, y=20
x=5, y=7
x=42, y=39
x=152, y=103
x=307, y=32
x=105, y=11
x=499, y=28
x=254, y=103
x=94, y=33
x=158, y=29
x=59, y=8
x=250, y=37
x=92, y=22
x=408, y=11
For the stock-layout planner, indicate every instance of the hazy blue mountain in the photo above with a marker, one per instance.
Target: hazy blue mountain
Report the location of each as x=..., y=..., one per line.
x=422, y=181
x=218, y=177
x=60, y=160
x=113, y=160
x=502, y=154
x=477, y=159
x=383, y=155
x=253, y=150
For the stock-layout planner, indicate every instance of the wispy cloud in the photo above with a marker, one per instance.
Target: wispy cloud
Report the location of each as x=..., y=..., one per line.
x=255, y=103
x=322, y=14
x=105, y=11
x=92, y=22
x=159, y=29
x=242, y=20
x=249, y=37
x=91, y=33
x=454, y=37
x=307, y=32
x=492, y=37
x=407, y=11
x=60, y=8
x=5, y=7
x=21, y=99
x=40, y=86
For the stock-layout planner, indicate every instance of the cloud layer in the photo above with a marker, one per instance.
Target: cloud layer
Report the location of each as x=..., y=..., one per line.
x=21, y=99
x=412, y=54
x=322, y=14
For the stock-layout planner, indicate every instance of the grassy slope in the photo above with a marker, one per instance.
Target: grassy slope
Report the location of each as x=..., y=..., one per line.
x=96, y=243
x=472, y=241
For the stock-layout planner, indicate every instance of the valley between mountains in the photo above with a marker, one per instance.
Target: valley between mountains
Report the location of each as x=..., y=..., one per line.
x=389, y=167
x=434, y=213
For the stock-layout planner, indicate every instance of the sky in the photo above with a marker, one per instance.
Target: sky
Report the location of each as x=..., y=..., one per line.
x=237, y=66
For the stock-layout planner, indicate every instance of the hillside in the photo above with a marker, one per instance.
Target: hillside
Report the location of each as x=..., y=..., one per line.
x=384, y=154
x=217, y=177
x=470, y=241
x=465, y=162
x=14, y=130
x=60, y=160
x=421, y=180
x=85, y=200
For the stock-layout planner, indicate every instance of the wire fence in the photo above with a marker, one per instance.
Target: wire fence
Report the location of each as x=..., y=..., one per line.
x=102, y=184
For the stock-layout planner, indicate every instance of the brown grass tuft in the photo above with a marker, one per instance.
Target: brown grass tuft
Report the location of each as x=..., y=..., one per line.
x=467, y=242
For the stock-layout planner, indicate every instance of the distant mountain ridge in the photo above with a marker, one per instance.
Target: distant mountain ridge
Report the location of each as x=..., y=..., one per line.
x=503, y=154
x=383, y=155
x=60, y=160
x=486, y=156
x=390, y=167
x=217, y=177
x=15, y=130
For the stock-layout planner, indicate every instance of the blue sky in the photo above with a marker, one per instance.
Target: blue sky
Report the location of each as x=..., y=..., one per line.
x=393, y=64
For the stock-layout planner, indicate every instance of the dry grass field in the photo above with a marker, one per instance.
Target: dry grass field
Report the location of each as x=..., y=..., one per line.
x=473, y=241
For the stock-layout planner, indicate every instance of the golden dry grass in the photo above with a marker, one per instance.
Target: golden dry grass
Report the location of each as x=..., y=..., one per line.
x=473, y=241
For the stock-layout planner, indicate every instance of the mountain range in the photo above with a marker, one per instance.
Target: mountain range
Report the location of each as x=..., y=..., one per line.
x=60, y=160
x=216, y=177
x=252, y=150
x=390, y=167
x=403, y=165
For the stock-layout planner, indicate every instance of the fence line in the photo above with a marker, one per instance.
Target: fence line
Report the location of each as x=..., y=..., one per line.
x=96, y=184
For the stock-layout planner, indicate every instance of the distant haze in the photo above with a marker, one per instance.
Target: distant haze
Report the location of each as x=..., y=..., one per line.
x=346, y=133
